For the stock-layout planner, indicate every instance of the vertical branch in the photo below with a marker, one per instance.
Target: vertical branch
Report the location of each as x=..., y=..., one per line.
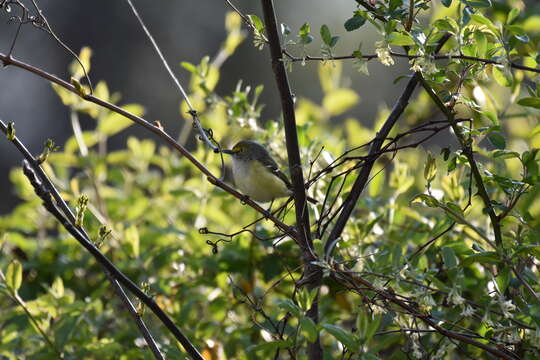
x=312, y=274
x=289, y=121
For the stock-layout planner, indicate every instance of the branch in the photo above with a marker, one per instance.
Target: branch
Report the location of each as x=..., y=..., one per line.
x=350, y=280
x=363, y=177
x=289, y=121
x=69, y=217
x=312, y=274
x=466, y=148
x=513, y=65
x=156, y=129
x=45, y=195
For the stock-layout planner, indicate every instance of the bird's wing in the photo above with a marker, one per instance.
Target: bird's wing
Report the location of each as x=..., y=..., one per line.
x=274, y=168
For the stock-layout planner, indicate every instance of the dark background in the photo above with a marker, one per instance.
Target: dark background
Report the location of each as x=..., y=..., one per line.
x=186, y=31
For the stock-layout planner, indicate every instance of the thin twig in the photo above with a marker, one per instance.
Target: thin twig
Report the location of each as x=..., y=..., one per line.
x=368, y=57
x=196, y=123
x=390, y=296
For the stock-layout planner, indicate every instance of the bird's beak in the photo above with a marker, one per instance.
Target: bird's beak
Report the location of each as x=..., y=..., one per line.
x=230, y=152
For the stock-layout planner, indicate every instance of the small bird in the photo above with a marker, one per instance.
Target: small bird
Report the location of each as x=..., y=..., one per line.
x=256, y=174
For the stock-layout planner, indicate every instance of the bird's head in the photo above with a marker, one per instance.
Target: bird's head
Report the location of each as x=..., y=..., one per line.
x=247, y=150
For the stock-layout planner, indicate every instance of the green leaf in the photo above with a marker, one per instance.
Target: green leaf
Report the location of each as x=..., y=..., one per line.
x=512, y=15
x=114, y=122
x=14, y=276
x=132, y=240
x=57, y=288
x=505, y=154
x=479, y=3
x=449, y=257
x=290, y=306
x=190, y=67
x=452, y=164
x=308, y=329
x=498, y=141
x=486, y=257
x=75, y=68
x=430, y=169
x=533, y=249
x=503, y=279
x=326, y=35
x=447, y=24
x=305, y=298
x=426, y=199
x=354, y=23
x=401, y=39
x=481, y=43
x=533, y=102
x=446, y=3
x=304, y=34
x=343, y=336
x=503, y=78
x=481, y=19
x=338, y=101
x=257, y=22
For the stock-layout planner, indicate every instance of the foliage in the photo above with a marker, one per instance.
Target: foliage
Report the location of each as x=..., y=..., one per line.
x=421, y=231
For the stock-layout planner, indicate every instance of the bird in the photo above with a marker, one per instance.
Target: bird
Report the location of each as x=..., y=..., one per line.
x=257, y=174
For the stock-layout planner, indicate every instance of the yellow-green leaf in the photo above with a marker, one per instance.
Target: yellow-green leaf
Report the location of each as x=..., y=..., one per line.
x=14, y=276
x=338, y=101
x=114, y=122
x=132, y=240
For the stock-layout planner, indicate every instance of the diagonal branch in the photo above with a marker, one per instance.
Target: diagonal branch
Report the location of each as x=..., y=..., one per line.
x=158, y=130
x=45, y=195
x=363, y=177
x=69, y=217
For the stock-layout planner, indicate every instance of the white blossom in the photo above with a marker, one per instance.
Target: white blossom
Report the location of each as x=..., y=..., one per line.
x=382, y=49
x=455, y=297
x=468, y=310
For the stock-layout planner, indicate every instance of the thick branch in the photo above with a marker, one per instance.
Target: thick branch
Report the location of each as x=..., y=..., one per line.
x=69, y=217
x=45, y=195
x=289, y=121
x=312, y=274
x=363, y=177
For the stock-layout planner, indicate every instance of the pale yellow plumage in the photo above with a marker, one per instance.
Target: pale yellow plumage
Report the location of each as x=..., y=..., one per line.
x=267, y=185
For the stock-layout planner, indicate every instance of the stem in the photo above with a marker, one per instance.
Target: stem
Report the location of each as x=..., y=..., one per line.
x=513, y=65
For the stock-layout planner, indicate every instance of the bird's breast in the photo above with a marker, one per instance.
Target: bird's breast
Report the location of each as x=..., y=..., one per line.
x=256, y=181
